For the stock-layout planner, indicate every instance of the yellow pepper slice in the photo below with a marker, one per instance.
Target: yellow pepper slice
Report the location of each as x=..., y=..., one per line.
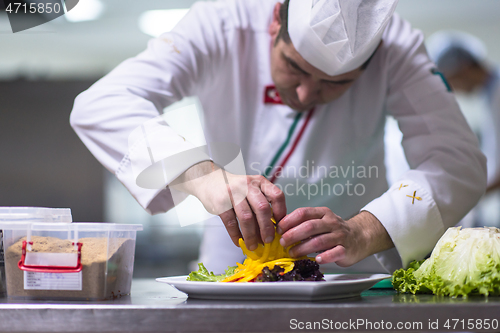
x=267, y=255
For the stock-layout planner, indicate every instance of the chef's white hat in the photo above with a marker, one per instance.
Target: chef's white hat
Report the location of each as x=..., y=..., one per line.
x=338, y=36
x=450, y=50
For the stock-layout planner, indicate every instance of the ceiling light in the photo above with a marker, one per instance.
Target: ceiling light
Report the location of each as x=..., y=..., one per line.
x=156, y=22
x=85, y=10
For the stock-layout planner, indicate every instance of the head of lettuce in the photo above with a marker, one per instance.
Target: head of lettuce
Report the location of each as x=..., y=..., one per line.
x=464, y=262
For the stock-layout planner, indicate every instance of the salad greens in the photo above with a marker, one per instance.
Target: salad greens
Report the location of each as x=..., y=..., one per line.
x=464, y=261
x=202, y=274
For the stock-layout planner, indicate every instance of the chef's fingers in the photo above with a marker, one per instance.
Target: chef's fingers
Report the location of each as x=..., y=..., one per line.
x=276, y=198
x=336, y=255
x=304, y=231
x=262, y=210
x=231, y=224
x=248, y=225
x=299, y=216
x=315, y=244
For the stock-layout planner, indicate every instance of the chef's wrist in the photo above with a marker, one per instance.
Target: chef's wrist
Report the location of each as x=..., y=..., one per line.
x=371, y=233
x=192, y=180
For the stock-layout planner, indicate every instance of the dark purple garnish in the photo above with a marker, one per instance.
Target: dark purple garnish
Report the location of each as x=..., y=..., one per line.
x=303, y=270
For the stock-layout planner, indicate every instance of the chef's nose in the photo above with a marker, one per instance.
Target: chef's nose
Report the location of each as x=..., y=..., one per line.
x=308, y=91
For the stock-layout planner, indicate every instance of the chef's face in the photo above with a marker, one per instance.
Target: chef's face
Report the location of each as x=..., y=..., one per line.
x=467, y=80
x=461, y=84
x=301, y=85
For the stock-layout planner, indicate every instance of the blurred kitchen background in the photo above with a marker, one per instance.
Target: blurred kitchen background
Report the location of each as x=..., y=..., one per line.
x=42, y=161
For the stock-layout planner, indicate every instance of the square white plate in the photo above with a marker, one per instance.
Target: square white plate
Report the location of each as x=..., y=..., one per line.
x=335, y=286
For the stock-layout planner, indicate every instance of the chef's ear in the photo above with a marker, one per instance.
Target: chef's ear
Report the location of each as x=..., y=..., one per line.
x=275, y=26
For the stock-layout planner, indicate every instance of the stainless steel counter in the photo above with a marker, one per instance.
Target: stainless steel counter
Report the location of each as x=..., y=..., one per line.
x=156, y=307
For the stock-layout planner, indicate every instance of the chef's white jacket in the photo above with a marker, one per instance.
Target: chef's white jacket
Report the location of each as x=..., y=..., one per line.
x=220, y=52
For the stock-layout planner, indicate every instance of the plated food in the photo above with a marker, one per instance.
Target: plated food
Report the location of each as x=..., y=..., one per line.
x=268, y=263
x=336, y=286
x=272, y=263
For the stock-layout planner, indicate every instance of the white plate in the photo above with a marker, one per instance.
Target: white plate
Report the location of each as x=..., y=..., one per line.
x=335, y=286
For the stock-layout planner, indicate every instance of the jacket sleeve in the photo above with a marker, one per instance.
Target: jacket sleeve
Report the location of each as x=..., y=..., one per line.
x=447, y=173
x=119, y=117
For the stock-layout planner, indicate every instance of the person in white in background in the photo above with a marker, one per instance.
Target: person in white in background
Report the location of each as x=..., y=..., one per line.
x=462, y=58
x=299, y=83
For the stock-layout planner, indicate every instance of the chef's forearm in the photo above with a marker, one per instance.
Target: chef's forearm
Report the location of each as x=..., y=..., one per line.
x=192, y=179
x=371, y=233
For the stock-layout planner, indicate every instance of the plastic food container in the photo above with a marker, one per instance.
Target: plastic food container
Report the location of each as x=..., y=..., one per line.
x=28, y=214
x=90, y=261
x=35, y=214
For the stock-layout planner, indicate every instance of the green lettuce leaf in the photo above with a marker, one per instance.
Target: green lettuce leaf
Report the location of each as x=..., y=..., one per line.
x=464, y=262
x=202, y=274
x=404, y=281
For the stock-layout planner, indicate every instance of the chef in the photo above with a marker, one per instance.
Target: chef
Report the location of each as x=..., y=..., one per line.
x=303, y=89
x=461, y=58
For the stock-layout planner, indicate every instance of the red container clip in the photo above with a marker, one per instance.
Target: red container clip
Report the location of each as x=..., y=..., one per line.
x=50, y=269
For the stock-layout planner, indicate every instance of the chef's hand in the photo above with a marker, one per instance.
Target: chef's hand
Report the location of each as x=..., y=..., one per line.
x=242, y=202
x=318, y=229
